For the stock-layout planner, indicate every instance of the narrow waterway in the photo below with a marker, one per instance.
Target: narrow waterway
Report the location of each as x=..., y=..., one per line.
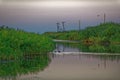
x=75, y=66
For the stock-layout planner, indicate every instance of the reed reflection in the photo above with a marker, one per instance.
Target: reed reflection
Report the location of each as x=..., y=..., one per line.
x=99, y=59
x=28, y=64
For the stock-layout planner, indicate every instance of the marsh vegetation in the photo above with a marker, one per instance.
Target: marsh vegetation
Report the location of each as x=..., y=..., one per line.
x=15, y=43
x=101, y=34
x=102, y=38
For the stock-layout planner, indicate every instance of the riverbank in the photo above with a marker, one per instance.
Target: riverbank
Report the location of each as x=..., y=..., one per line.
x=66, y=41
x=15, y=43
x=85, y=53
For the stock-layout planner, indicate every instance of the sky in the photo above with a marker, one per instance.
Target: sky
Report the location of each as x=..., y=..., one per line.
x=42, y=15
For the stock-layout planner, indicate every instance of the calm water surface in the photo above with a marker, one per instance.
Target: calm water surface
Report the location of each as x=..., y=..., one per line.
x=75, y=67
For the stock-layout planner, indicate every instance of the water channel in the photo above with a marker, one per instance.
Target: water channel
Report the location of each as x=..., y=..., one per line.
x=59, y=66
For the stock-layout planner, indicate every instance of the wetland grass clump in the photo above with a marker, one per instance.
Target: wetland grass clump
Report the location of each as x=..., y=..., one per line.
x=101, y=38
x=106, y=33
x=16, y=43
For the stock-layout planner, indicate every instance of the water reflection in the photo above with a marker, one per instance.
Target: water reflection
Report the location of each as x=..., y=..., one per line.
x=100, y=48
x=103, y=60
x=82, y=67
x=64, y=47
x=28, y=64
x=62, y=67
x=77, y=47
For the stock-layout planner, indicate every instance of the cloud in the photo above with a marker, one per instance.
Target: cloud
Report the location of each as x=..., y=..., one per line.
x=58, y=3
x=55, y=0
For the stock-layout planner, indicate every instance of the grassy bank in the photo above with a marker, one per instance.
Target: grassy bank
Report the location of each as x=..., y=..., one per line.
x=103, y=33
x=16, y=43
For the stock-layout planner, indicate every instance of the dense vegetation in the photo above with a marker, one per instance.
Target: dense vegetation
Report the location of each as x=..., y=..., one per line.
x=111, y=48
x=17, y=43
x=103, y=33
x=26, y=65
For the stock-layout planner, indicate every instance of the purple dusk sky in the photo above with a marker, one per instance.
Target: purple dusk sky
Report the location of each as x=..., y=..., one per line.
x=42, y=15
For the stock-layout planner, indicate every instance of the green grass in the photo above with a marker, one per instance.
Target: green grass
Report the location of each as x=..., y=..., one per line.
x=103, y=33
x=16, y=43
